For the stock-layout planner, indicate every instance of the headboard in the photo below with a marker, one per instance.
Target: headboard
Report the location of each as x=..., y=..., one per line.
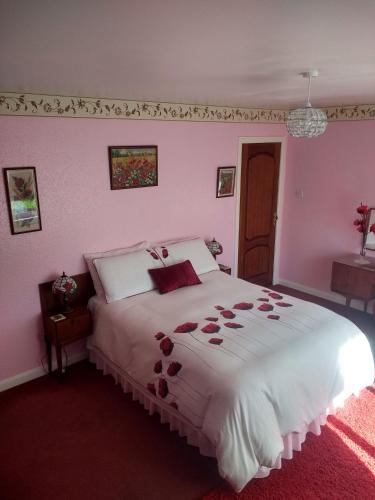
x=50, y=303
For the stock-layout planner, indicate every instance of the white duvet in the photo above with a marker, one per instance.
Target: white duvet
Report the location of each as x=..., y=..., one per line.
x=264, y=365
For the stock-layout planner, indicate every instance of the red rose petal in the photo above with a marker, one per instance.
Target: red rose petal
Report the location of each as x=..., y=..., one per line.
x=166, y=345
x=243, y=306
x=228, y=314
x=283, y=304
x=164, y=252
x=186, y=327
x=159, y=335
x=233, y=325
x=263, y=299
x=210, y=328
x=265, y=307
x=266, y=291
x=163, y=388
x=275, y=295
x=158, y=367
x=174, y=368
x=215, y=341
x=273, y=316
x=151, y=388
x=219, y=308
x=211, y=318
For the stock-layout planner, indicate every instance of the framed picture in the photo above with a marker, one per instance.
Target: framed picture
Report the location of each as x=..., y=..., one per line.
x=225, y=181
x=133, y=166
x=22, y=197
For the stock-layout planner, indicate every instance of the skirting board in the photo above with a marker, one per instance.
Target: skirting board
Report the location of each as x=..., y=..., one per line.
x=332, y=296
x=23, y=377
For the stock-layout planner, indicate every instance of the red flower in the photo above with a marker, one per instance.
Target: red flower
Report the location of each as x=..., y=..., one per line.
x=164, y=252
x=265, y=307
x=243, y=306
x=275, y=295
x=174, y=405
x=262, y=299
x=151, y=388
x=166, y=345
x=372, y=228
x=233, y=325
x=215, y=341
x=219, y=308
x=228, y=314
x=174, y=368
x=210, y=328
x=362, y=209
x=163, y=388
x=159, y=335
x=283, y=304
x=273, y=316
x=357, y=222
x=212, y=318
x=158, y=367
x=186, y=327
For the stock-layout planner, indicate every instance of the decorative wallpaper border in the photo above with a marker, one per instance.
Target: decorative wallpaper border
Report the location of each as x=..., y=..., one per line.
x=16, y=104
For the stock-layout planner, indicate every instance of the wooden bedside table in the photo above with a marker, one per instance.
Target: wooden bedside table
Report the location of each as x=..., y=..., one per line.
x=76, y=325
x=225, y=269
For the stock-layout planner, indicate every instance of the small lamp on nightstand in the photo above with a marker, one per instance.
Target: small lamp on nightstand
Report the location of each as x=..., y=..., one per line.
x=65, y=287
x=214, y=247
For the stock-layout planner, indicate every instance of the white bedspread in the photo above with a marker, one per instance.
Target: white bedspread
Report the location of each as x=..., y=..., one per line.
x=266, y=366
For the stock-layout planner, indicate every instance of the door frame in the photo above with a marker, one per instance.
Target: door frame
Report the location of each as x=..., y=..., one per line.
x=280, y=199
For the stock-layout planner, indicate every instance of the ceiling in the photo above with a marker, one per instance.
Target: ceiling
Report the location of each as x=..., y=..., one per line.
x=222, y=52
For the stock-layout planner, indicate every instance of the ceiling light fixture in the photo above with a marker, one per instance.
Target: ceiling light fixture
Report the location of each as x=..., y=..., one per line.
x=307, y=121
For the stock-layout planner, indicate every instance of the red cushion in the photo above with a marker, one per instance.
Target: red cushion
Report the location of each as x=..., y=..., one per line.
x=176, y=276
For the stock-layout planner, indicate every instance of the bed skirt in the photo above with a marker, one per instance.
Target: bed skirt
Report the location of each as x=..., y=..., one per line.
x=292, y=441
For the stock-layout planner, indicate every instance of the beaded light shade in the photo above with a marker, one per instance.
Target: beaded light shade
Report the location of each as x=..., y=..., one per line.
x=214, y=247
x=65, y=287
x=307, y=121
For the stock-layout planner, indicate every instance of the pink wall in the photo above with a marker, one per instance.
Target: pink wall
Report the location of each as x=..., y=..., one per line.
x=336, y=172
x=80, y=213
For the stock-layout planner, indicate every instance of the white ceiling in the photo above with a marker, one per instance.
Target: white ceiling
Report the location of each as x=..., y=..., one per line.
x=224, y=52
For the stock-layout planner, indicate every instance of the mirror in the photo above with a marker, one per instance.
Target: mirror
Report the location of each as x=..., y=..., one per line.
x=370, y=236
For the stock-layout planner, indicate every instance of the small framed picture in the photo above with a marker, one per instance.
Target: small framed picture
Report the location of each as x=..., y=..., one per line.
x=133, y=166
x=22, y=198
x=225, y=181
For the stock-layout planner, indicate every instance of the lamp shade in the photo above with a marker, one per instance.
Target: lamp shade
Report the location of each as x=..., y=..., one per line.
x=65, y=285
x=306, y=122
x=214, y=247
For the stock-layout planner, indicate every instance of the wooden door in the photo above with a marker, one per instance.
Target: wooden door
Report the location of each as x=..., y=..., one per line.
x=258, y=211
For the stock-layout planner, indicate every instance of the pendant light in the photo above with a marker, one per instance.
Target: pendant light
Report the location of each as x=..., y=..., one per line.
x=307, y=121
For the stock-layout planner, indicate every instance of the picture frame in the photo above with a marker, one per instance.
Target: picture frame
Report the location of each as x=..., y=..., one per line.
x=225, y=181
x=133, y=166
x=22, y=198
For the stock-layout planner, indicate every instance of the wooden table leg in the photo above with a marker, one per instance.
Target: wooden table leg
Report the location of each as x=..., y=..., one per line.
x=59, y=362
x=49, y=353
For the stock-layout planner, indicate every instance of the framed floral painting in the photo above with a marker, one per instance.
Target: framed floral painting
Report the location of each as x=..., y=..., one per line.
x=22, y=197
x=133, y=166
x=225, y=181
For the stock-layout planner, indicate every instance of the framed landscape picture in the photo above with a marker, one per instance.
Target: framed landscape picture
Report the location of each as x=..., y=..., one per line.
x=22, y=197
x=225, y=181
x=133, y=166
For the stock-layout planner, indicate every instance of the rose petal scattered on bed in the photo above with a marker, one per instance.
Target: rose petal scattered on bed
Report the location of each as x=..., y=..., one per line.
x=164, y=252
x=266, y=291
x=153, y=254
x=166, y=345
x=233, y=325
x=159, y=335
x=275, y=295
x=265, y=307
x=158, y=367
x=283, y=304
x=273, y=316
x=263, y=299
x=151, y=388
x=174, y=405
x=228, y=314
x=210, y=328
x=220, y=308
x=163, y=388
x=243, y=306
x=174, y=368
x=211, y=318
x=215, y=341
x=186, y=327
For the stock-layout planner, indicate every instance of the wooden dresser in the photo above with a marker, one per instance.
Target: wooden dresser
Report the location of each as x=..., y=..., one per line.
x=354, y=281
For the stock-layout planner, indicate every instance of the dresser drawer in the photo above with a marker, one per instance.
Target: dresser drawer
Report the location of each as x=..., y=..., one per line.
x=353, y=281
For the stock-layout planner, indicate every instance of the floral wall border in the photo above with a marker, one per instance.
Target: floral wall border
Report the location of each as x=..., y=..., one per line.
x=24, y=104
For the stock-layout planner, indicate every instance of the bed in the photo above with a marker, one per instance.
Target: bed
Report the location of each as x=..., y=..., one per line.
x=243, y=372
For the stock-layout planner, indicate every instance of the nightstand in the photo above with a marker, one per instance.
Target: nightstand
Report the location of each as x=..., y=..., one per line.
x=76, y=325
x=225, y=269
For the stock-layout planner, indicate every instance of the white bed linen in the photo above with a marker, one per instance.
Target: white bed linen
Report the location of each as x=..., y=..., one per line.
x=264, y=381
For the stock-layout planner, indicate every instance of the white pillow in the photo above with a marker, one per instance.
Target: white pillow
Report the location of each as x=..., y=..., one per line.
x=89, y=257
x=126, y=275
x=194, y=250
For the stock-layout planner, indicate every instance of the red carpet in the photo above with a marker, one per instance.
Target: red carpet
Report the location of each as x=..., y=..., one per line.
x=338, y=464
